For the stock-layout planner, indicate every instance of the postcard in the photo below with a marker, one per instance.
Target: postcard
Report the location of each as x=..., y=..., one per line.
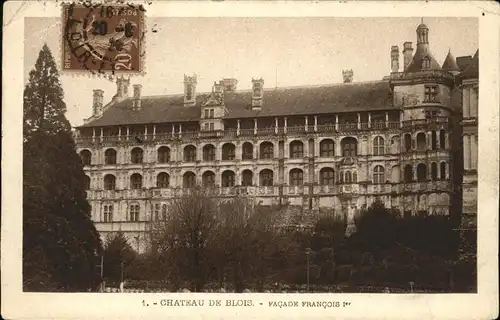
x=250, y=159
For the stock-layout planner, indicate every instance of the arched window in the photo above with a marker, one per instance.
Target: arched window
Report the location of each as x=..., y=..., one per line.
x=421, y=172
x=296, y=149
x=349, y=147
x=434, y=171
x=110, y=156
x=442, y=170
x=189, y=153
x=421, y=143
x=164, y=212
x=86, y=182
x=163, y=180
x=208, y=179
x=208, y=152
x=163, y=154
x=327, y=148
x=135, y=181
x=442, y=139
x=266, y=177
x=327, y=177
x=378, y=175
x=228, y=151
x=354, y=177
x=189, y=180
x=266, y=150
x=108, y=213
x=247, y=178
x=228, y=178
x=408, y=142
x=86, y=157
x=247, y=151
x=136, y=155
x=348, y=177
x=109, y=182
x=433, y=140
x=378, y=146
x=296, y=177
x=408, y=173
x=134, y=212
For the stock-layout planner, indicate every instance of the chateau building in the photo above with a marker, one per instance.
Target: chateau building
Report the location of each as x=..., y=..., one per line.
x=337, y=146
x=469, y=85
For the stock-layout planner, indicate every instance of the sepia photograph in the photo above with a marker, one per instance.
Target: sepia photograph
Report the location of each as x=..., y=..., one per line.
x=248, y=154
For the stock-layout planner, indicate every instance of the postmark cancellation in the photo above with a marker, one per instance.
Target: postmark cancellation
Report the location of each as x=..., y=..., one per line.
x=103, y=39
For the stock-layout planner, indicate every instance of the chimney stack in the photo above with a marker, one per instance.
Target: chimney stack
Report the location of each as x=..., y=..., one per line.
x=229, y=84
x=137, y=97
x=257, y=93
x=122, y=85
x=347, y=75
x=407, y=54
x=190, y=90
x=97, y=105
x=394, y=59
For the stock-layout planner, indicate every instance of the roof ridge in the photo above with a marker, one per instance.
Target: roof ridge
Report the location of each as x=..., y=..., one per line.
x=337, y=84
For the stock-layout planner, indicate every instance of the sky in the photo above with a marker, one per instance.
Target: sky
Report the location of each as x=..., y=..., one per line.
x=283, y=51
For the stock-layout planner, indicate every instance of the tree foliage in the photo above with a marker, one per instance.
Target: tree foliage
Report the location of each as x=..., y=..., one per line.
x=182, y=241
x=43, y=103
x=377, y=226
x=117, y=251
x=60, y=242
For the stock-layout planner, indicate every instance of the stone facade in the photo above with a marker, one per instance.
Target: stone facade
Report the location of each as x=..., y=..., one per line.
x=333, y=154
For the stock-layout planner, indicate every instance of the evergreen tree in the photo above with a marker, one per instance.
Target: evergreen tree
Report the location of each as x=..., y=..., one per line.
x=44, y=107
x=117, y=251
x=61, y=246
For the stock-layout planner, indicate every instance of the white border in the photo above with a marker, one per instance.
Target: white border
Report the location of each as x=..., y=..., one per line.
x=16, y=304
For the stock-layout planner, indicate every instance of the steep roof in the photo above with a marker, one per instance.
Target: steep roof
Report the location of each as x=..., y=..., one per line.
x=450, y=64
x=472, y=70
x=416, y=63
x=463, y=62
x=321, y=99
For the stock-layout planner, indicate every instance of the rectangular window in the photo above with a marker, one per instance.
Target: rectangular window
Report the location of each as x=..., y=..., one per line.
x=211, y=127
x=431, y=94
x=108, y=213
x=157, y=212
x=134, y=213
x=206, y=113
x=211, y=113
x=207, y=127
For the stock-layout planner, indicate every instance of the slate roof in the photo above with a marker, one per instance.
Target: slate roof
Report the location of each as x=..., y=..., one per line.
x=450, y=63
x=416, y=63
x=472, y=70
x=463, y=62
x=323, y=99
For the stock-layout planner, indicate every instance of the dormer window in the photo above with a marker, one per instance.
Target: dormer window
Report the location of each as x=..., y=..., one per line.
x=209, y=113
x=426, y=63
x=431, y=93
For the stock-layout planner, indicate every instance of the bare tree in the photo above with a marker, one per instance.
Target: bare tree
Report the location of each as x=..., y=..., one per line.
x=182, y=240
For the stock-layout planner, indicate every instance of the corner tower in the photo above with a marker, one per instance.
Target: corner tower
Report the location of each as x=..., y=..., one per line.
x=423, y=94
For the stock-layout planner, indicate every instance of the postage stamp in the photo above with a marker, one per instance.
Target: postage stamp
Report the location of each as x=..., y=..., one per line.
x=103, y=38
